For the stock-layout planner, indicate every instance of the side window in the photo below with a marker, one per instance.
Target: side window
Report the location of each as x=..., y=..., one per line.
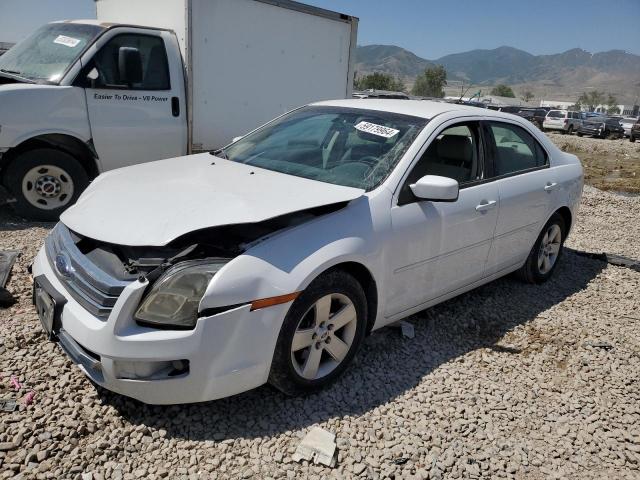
x=516, y=149
x=454, y=153
x=155, y=68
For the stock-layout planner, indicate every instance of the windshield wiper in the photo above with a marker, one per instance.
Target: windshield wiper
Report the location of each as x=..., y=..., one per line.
x=12, y=72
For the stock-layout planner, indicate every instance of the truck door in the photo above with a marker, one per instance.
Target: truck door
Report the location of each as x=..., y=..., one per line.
x=135, y=94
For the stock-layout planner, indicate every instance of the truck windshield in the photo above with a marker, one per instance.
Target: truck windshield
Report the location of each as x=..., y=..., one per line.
x=46, y=54
x=350, y=147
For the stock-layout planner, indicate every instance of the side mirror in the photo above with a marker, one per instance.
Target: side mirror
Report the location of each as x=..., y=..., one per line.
x=235, y=139
x=436, y=188
x=129, y=65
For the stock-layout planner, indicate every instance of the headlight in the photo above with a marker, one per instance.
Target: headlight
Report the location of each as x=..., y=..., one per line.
x=174, y=298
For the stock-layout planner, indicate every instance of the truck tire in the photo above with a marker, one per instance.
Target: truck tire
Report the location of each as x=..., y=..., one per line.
x=45, y=181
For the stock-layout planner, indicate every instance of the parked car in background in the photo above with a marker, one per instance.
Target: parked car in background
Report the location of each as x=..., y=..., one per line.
x=380, y=94
x=331, y=221
x=635, y=131
x=601, y=127
x=505, y=108
x=627, y=123
x=534, y=115
x=563, y=120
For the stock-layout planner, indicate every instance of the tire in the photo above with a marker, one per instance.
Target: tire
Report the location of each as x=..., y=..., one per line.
x=632, y=139
x=289, y=367
x=532, y=271
x=570, y=130
x=45, y=182
x=579, y=134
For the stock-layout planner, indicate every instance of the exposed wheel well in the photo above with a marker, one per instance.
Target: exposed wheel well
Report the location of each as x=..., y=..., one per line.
x=83, y=152
x=566, y=216
x=366, y=280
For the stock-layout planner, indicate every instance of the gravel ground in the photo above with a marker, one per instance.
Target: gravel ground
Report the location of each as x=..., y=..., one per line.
x=507, y=381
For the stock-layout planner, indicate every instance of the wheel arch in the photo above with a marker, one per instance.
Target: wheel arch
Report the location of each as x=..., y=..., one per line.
x=567, y=216
x=368, y=283
x=82, y=151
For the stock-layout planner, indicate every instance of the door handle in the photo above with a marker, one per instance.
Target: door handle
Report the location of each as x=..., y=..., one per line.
x=483, y=207
x=550, y=186
x=175, y=106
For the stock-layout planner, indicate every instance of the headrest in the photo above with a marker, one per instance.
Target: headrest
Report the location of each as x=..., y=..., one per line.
x=455, y=147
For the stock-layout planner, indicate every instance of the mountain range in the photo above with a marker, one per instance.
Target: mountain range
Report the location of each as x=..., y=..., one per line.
x=564, y=74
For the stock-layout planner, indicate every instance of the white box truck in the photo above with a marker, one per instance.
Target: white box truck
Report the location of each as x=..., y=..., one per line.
x=155, y=79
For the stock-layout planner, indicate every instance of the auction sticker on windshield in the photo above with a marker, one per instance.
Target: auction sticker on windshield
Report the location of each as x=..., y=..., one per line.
x=379, y=130
x=67, y=41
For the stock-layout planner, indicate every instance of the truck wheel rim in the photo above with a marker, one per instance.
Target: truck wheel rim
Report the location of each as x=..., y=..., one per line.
x=324, y=336
x=47, y=187
x=549, y=249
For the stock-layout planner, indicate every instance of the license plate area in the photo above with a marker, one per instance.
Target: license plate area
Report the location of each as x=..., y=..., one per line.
x=48, y=305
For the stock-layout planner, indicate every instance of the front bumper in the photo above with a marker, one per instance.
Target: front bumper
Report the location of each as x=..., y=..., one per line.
x=226, y=354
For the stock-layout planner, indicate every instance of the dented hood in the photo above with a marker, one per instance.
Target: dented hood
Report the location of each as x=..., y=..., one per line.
x=154, y=203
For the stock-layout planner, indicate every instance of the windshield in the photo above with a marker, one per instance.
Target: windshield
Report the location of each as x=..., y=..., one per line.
x=47, y=53
x=350, y=147
x=556, y=114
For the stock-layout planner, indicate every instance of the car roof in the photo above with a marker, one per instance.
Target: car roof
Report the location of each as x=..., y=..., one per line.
x=416, y=108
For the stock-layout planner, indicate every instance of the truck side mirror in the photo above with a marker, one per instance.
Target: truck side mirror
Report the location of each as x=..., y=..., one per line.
x=129, y=65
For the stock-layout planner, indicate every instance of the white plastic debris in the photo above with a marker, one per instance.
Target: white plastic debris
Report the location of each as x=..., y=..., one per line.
x=318, y=446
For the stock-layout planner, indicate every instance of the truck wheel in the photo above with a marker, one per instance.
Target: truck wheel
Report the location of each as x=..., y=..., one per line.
x=45, y=182
x=320, y=334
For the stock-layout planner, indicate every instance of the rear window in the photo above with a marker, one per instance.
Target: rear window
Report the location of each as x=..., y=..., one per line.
x=556, y=114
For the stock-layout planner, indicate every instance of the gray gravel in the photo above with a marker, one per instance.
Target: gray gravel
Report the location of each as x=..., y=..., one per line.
x=507, y=381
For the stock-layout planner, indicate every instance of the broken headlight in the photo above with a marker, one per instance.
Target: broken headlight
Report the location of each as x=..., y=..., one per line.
x=174, y=298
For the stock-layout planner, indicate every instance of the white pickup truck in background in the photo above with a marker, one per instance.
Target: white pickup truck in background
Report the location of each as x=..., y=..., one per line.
x=81, y=97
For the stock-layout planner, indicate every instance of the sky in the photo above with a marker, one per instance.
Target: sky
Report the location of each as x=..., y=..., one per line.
x=429, y=28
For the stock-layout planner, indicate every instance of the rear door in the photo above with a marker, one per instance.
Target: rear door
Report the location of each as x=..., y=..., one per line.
x=135, y=123
x=526, y=184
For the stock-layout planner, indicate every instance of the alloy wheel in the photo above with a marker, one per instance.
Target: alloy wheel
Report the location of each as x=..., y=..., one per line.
x=549, y=249
x=324, y=336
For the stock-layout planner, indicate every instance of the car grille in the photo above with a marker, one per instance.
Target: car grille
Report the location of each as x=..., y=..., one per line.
x=91, y=287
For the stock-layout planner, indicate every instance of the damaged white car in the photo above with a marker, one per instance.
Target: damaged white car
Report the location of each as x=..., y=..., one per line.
x=200, y=277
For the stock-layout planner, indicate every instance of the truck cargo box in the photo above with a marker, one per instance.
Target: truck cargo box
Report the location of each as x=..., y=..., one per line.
x=248, y=61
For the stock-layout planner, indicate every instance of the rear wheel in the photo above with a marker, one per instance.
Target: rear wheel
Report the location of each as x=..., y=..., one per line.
x=45, y=182
x=632, y=138
x=320, y=335
x=546, y=252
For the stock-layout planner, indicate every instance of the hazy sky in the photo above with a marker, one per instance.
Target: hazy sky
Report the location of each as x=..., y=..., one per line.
x=429, y=28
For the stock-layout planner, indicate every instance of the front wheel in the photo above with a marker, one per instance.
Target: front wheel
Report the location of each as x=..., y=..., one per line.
x=320, y=335
x=45, y=182
x=546, y=252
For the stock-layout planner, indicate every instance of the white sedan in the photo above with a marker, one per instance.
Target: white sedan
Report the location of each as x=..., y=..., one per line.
x=270, y=260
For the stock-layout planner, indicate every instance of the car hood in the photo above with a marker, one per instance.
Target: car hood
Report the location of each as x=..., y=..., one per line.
x=154, y=203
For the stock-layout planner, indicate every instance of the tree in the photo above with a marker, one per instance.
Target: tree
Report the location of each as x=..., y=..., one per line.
x=379, y=81
x=431, y=82
x=503, y=91
x=592, y=99
x=527, y=95
x=612, y=105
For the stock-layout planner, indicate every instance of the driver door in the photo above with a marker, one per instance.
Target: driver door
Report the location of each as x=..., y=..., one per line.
x=440, y=247
x=136, y=122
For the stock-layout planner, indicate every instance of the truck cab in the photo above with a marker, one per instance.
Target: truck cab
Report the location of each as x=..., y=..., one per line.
x=78, y=98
